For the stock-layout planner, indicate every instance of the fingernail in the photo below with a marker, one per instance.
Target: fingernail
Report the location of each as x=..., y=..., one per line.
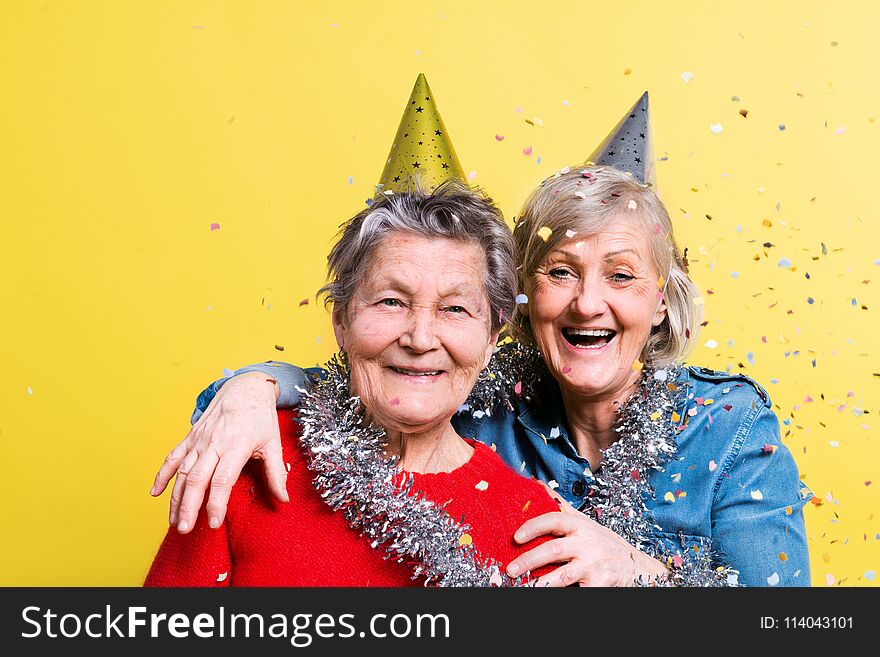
x=513, y=570
x=153, y=490
x=213, y=522
x=517, y=537
x=183, y=526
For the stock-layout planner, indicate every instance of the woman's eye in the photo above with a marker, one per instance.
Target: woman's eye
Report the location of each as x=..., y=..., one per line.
x=391, y=303
x=455, y=309
x=620, y=277
x=560, y=274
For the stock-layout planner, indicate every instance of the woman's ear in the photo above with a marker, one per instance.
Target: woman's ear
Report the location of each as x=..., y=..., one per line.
x=337, y=318
x=493, y=341
x=660, y=313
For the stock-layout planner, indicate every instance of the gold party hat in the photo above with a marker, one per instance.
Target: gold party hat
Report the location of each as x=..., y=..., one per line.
x=421, y=150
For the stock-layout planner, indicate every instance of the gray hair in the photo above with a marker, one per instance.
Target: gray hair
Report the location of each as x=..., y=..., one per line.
x=453, y=210
x=586, y=200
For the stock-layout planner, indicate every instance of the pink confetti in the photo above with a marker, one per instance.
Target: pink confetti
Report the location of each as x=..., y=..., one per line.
x=566, y=370
x=634, y=474
x=215, y=226
x=499, y=137
x=527, y=150
x=677, y=560
x=517, y=388
x=394, y=402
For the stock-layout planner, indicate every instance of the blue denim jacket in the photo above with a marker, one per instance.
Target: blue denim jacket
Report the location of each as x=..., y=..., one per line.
x=733, y=482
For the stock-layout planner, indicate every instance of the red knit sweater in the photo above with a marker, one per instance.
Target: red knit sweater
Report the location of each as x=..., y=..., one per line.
x=305, y=543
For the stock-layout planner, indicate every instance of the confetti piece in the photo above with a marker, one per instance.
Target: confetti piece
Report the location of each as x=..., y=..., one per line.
x=527, y=150
x=30, y=390
x=783, y=557
x=773, y=580
x=279, y=347
x=637, y=366
x=788, y=510
x=553, y=484
x=465, y=539
x=517, y=388
x=632, y=205
x=522, y=298
x=634, y=475
x=870, y=574
x=472, y=175
x=351, y=180
x=712, y=466
x=829, y=579
x=554, y=432
x=655, y=416
x=768, y=449
x=526, y=506
x=544, y=232
x=566, y=103
x=627, y=71
x=687, y=76
x=669, y=497
x=744, y=113
x=717, y=128
x=781, y=127
x=222, y=577
x=784, y=262
x=676, y=417
x=535, y=121
x=582, y=197
x=499, y=137
x=396, y=402
x=566, y=370
x=482, y=485
x=840, y=130
x=699, y=301
x=215, y=226
x=569, y=234
x=757, y=495
x=711, y=344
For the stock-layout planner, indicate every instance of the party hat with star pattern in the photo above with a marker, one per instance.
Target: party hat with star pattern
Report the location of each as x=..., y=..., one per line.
x=628, y=146
x=421, y=150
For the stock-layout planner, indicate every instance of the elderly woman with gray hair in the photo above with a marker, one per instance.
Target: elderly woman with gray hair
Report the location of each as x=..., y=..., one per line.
x=654, y=458
x=420, y=287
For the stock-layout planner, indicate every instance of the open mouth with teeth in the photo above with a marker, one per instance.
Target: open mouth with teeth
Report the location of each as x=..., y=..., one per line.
x=588, y=338
x=416, y=373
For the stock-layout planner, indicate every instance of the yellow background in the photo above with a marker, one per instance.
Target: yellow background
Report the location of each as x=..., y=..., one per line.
x=128, y=128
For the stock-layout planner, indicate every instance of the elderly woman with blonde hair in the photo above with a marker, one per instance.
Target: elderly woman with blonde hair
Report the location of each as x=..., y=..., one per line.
x=661, y=463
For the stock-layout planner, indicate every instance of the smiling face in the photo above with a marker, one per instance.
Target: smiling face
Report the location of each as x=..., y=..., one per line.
x=592, y=304
x=417, y=331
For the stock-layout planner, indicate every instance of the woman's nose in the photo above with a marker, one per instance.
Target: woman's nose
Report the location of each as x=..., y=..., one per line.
x=589, y=300
x=420, y=335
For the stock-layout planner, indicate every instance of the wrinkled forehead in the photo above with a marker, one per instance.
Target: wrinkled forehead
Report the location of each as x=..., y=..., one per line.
x=412, y=262
x=608, y=235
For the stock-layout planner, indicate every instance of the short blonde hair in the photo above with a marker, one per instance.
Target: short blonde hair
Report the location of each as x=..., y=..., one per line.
x=586, y=199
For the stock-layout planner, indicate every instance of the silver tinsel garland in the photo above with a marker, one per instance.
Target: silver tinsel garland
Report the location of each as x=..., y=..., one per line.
x=355, y=477
x=647, y=442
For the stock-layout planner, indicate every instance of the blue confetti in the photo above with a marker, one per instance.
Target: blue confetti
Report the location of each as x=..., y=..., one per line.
x=739, y=228
x=810, y=300
x=522, y=298
x=351, y=180
x=751, y=358
x=734, y=274
x=784, y=262
x=538, y=160
x=854, y=302
x=774, y=381
x=781, y=127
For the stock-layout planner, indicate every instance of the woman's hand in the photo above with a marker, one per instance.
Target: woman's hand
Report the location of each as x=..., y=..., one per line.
x=241, y=423
x=590, y=554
